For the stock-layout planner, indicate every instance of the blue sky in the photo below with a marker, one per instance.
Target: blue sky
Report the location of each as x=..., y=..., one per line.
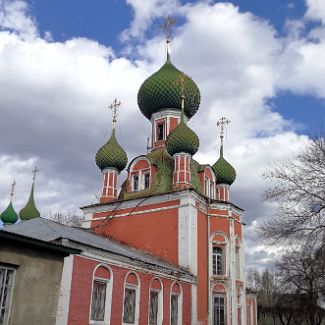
x=105, y=22
x=260, y=63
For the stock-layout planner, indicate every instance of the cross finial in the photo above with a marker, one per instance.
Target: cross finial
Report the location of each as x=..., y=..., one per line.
x=222, y=123
x=114, y=106
x=167, y=27
x=12, y=189
x=34, y=173
x=181, y=82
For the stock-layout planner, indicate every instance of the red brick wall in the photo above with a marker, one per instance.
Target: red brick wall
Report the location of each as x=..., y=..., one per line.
x=81, y=285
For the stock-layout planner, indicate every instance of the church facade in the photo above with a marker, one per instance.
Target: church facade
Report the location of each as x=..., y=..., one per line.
x=175, y=208
x=165, y=249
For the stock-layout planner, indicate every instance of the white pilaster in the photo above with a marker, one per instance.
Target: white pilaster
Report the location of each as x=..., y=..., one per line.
x=187, y=233
x=233, y=289
x=65, y=290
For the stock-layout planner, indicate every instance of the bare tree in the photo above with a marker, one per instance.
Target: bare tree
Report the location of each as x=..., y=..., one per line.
x=302, y=279
x=67, y=219
x=298, y=188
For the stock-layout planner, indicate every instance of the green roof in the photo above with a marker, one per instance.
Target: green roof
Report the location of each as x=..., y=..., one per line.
x=182, y=139
x=29, y=211
x=225, y=173
x=163, y=180
x=9, y=216
x=111, y=155
x=161, y=91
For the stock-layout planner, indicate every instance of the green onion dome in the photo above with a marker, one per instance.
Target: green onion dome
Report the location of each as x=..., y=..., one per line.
x=182, y=139
x=29, y=211
x=161, y=91
x=111, y=155
x=9, y=216
x=225, y=173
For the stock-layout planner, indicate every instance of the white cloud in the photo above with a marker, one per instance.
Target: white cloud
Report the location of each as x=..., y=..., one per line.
x=14, y=16
x=145, y=12
x=53, y=97
x=316, y=10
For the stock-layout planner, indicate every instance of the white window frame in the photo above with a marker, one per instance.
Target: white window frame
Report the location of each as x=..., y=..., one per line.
x=7, y=308
x=140, y=174
x=137, y=298
x=144, y=173
x=108, y=298
x=179, y=305
x=219, y=254
x=218, y=295
x=224, y=245
x=133, y=180
x=160, y=301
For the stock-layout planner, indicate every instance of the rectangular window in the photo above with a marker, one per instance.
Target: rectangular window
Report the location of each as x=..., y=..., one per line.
x=237, y=262
x=146, y=180
x=217, y=261
x=98, y=300
x=135, y=183
x=174, y=310
x=219, y=310
x=206, y=186
x=160, y=132
x=212, y=190
x=6, y=287
x=129, y=306
x=153, y=308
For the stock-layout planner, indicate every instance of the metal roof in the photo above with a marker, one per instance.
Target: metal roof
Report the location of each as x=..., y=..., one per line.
x=65, y=250
x=49, y=231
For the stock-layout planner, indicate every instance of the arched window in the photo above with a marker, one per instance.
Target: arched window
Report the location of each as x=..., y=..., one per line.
x=140, y=174
x=209, y=183
x=155, y=303
x=101, y=295
x=176, y=305
x=219, y=265
x=131, y=299
x=217, y=261
x=219, y=314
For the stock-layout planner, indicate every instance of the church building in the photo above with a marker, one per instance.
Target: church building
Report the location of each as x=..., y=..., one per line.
x=175, y=208
x=165, y=249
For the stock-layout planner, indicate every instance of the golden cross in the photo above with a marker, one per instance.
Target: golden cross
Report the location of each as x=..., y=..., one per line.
x=222, y=123
x=181, y=82
x=114, y=106
x=12, y=189
x=167, y=27
x=34, y=173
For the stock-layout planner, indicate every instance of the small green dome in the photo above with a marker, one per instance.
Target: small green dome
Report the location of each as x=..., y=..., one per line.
x=161, y=91
x=182, y=139
x=111, y=155
x=225, y=173
x=29, y=211
x=9, y=216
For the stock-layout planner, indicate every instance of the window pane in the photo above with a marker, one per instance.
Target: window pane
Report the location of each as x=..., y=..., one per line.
x=6, y=282
x=218, y=310
x=129, y=306
x=146, y=180
x=98, y=300
x=174, y=310
x=135, y=182
x=217, y=261
x=153, y=307
x=160, y=132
